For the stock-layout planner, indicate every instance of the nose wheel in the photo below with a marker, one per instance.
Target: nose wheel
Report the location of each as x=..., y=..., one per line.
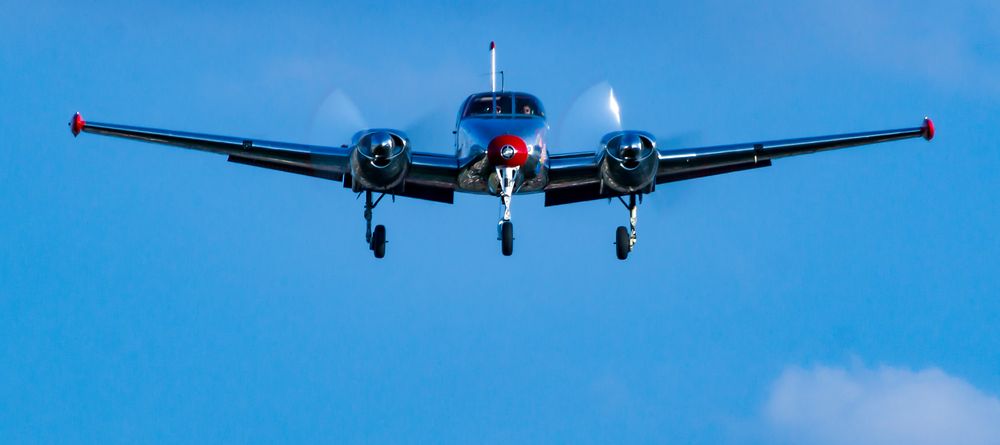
x=506, y=176
x=625, y=239
x=376, y=238
x=506, y=238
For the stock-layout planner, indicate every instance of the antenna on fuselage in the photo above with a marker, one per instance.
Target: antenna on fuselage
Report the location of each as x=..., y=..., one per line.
x=493, y=74
x=493, y=67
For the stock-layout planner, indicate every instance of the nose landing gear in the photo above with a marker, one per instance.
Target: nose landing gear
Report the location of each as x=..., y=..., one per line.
x=505, y=228
x=625, y=239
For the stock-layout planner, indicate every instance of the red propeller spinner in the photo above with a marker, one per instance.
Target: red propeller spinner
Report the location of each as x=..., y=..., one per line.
x=507, y=150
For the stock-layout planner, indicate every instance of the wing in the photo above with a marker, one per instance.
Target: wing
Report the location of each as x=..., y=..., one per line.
x=690, y=163
x=431, y=176
x=574, y=177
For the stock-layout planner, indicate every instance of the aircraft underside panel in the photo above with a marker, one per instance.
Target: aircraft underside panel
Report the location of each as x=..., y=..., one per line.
x=592, y=190
x=416, y=190
x=288, y=168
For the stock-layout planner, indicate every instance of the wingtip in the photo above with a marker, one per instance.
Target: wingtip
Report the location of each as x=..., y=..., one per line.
x=493, y=45
x=76, y=124
x=928, y=128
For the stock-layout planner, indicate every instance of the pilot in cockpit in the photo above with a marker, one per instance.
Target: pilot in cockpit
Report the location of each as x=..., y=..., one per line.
x=526, y=110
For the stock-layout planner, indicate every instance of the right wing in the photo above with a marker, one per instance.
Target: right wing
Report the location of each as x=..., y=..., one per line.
x=319, y=161
x=431, y=176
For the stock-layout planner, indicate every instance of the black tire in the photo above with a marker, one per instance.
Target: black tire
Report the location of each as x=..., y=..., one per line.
x=622, y=242
x=507, y=238
x=378, y=241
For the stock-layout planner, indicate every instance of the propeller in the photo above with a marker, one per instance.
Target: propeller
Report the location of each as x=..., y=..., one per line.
x=335, y=120
x=432, y=130
x=594, y=113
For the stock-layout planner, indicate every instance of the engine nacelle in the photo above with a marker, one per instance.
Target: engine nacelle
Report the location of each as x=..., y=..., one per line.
x=629, y=161
x=380, y=159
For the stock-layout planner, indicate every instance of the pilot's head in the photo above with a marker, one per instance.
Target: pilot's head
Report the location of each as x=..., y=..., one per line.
x=526, y=109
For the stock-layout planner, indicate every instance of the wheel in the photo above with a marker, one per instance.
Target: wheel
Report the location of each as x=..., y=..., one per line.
x=622, y=242
x=507, y=238
x=378, y=241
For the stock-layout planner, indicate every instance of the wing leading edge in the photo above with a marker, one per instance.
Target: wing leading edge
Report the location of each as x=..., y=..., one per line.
x=574, y=177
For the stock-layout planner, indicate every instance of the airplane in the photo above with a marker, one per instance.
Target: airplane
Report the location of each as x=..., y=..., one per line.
x=501, y=150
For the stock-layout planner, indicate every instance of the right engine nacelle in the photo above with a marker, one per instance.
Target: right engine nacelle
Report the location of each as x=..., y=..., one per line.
x=380, y=159
x=629, y=161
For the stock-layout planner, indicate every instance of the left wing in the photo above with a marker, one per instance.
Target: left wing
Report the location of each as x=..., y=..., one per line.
x=676, y=165
x=431, y=176
x=574, y=177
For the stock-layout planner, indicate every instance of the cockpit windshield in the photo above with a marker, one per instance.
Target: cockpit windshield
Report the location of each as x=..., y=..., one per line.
x=507, y=104
x=527, y=105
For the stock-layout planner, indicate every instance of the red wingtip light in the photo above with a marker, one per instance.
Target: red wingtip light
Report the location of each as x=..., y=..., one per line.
x=76, y=124
x=492, y=45
x=928, y=128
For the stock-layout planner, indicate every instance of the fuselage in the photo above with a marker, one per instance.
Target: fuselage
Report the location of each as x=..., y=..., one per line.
x=493, y=118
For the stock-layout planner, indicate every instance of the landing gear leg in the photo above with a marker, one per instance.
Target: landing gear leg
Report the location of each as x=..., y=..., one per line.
x=376, y=238
x=625, y=239
x=505, y=228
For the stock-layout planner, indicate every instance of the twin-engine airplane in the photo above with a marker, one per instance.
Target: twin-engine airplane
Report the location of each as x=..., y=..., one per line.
x=501, y=150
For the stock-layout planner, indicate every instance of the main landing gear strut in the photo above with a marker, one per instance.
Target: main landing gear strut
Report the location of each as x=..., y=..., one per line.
x=376, y=238
x=505, y=228
x=625, y=238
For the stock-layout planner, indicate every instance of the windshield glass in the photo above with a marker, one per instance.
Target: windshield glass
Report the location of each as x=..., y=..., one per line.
x=528, y=105
x=506, y=105
x=483, y=104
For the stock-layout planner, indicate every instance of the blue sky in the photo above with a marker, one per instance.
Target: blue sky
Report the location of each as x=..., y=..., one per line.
x=156, y=295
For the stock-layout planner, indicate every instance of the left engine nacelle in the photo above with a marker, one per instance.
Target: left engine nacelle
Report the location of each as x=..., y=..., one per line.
x=629, y=161
x=380, y=159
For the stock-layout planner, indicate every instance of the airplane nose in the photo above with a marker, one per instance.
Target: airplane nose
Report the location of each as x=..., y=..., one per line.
x=507, y=150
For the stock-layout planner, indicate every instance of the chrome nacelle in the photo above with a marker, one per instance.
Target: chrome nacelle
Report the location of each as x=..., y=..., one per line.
x=628, y=161
x=380, y=159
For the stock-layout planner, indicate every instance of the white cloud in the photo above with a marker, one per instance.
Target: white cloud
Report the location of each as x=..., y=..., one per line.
x=885, y=406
